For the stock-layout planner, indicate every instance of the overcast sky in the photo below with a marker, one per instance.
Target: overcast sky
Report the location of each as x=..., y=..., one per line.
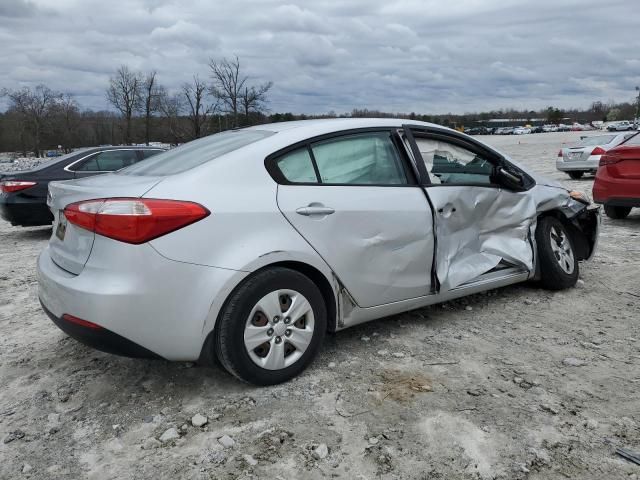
x=427, y=56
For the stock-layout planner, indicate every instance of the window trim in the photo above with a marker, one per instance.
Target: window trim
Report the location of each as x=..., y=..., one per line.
x=271, y=160
x=137, y=150
x=496, y=159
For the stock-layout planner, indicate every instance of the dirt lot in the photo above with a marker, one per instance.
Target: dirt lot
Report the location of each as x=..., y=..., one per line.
x=515, y=383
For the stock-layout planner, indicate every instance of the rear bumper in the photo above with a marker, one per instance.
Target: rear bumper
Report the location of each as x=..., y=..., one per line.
x=24, y=214
x=589, y=165
x=145, y=303
x=618, y=192
x=100, y=339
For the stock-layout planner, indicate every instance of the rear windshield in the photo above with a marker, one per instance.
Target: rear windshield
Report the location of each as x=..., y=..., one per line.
x=195, y=153
x=635, y=140
x=597, y=140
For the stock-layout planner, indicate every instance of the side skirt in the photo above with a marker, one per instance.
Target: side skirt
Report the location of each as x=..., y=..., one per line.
x=488, y=281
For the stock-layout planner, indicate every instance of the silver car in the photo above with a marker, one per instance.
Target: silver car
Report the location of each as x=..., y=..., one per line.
x=584, y=156
x=250, y=245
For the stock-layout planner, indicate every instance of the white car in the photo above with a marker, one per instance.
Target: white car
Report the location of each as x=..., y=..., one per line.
x=521, y=130
x=549, y=128
x=584, y=156
x=620, y=126
x=250, y=244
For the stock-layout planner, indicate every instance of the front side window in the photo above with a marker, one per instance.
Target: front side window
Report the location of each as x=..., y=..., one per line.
x=107, y=161
x=451, y=164
x=362, y=159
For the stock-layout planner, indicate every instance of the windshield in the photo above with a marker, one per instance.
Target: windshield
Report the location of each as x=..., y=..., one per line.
x=195, y=153
x=597, y=140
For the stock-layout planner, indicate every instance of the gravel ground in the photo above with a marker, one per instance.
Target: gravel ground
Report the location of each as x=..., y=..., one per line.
x=517, y=383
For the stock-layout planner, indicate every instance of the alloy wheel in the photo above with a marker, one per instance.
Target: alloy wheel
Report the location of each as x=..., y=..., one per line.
x=562, y=251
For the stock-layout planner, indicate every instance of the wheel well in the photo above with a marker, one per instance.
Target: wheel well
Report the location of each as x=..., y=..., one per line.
x=321, y=282
x=579, y=241
x=207, y=356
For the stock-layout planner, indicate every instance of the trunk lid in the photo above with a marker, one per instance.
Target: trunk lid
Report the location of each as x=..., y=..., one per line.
x=70, y=246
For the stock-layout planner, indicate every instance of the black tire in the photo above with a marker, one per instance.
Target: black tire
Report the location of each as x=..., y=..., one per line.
x=229, y=332
x=552, y=275
x=576, y=175
x=617, y=213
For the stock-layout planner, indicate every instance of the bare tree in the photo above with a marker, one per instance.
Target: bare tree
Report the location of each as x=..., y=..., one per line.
x=197, y=111
x=229, y=86
x=172, y=107
x=255, y=99
x=151, y=102
x=124, y=93
x=35, y=108
x=67, y=119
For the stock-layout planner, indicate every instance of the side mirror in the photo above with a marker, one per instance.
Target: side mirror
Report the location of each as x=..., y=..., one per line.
x=512, y=180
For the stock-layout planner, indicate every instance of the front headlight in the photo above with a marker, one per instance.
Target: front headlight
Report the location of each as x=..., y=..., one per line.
x=580, y=196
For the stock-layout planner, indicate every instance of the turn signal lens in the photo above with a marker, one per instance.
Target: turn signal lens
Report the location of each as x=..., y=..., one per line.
x=134, y=220
x=580, y=196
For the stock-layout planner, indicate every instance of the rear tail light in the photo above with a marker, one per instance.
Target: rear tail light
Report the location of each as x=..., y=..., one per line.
x=598, y=151
x=134, y=220
x=560, y=153
x=609, y=159
x=15, y=186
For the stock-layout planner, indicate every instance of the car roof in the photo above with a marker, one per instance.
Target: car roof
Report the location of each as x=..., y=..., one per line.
x=337, y=124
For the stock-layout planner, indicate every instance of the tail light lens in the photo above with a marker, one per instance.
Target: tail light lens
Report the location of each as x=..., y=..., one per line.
x=560, y=153
x=609, y=159
x=134, y=220
x=15, y=186
x=598, y=151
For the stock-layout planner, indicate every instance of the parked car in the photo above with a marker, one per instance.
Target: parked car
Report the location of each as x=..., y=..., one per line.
x=249, y=245
x=504, y=131
x=537, y=129
x=23, y=194
x=584, y=156
x=521, y=130
x=564, y=128
x=617, y=183
x=620, y=126
x=549, y=128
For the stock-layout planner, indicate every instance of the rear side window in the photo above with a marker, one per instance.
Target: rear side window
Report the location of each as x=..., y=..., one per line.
x=297, y=167
x=363, y=159
x=109, y=161
x=635, y=140
x=196, y=153
x=151, y=153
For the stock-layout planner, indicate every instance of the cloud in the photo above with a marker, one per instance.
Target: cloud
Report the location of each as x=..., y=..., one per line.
x=408, y=55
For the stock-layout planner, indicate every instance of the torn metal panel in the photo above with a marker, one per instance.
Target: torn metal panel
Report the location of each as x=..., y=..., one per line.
x=478, y=227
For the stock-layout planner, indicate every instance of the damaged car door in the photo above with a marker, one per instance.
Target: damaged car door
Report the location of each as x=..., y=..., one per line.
x=482, y=213
x=351, y=197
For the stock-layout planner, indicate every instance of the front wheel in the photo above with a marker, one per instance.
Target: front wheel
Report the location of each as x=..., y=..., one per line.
x=576, y=175
x=271, y=327
x=556, y=255
x=617, y=213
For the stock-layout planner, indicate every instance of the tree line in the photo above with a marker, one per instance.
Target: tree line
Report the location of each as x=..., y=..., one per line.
x=40, y=118
x=144, y=110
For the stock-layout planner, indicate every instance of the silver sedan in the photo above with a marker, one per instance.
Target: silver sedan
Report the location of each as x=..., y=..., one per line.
x=249, y=245
x=585, y=155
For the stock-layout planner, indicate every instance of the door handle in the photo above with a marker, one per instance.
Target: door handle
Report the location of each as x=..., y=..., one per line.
x=309, y=211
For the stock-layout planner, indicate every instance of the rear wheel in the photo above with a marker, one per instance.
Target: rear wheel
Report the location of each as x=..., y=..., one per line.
x=556, y=255
x=616, y=213
x=575, y=175
x=271, y=327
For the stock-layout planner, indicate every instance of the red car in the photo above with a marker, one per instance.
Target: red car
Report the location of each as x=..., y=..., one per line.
x=617, y=184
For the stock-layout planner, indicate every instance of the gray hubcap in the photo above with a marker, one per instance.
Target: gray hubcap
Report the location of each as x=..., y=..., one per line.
x=279, y=329
x=562, y=250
